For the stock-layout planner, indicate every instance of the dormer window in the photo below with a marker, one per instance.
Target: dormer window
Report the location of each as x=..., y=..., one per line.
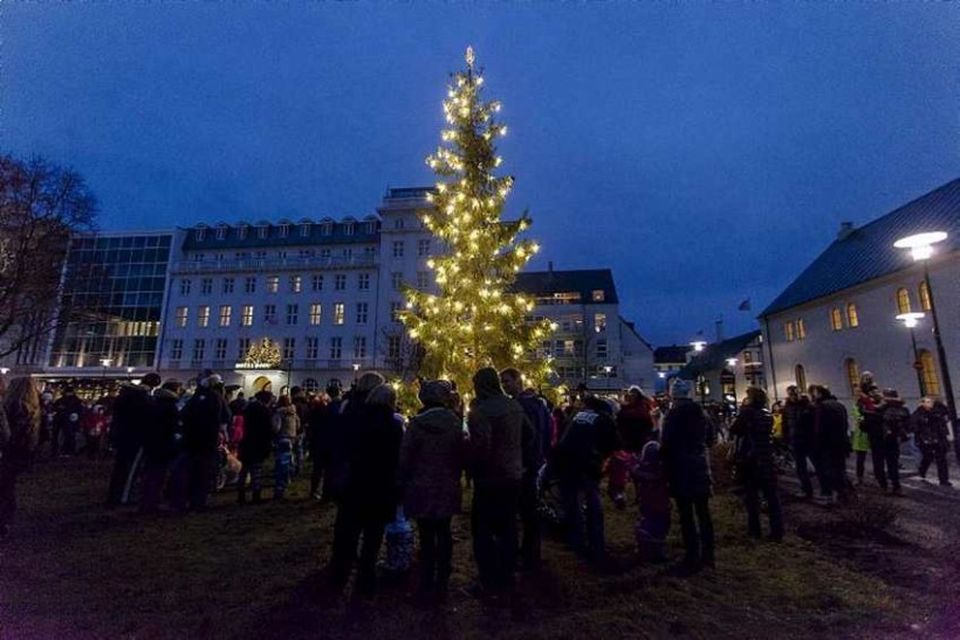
x=597, y=295
x=201, y=231
x=284, y=230
x=398, y=224
x=262, y=232
x=242, y=231
x=304, y=229
x=348, y=228
x=221, y=232
x=370, y=227
x=326, y=228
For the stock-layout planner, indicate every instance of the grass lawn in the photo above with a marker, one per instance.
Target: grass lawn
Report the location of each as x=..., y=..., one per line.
x=76, y=570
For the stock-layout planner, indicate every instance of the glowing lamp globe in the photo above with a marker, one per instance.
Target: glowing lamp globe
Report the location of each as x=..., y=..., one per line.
x=921, y=244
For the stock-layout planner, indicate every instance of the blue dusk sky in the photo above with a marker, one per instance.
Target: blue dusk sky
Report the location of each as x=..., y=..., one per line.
x=705, y=152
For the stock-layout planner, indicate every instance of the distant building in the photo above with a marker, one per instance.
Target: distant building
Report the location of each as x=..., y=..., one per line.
x=723, y=371
x=837, y=318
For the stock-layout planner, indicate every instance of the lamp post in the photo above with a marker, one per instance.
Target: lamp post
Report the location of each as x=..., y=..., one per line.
x=910, y=321
x=4, y=371
x=104, y=362
x=921, y=249
x=129, y=373
x=356, y=369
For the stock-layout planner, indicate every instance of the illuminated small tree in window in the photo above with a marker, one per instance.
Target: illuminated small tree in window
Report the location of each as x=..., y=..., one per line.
x=263, y=354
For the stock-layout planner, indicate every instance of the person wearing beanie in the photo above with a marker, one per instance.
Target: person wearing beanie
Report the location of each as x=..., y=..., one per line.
x=431, y=463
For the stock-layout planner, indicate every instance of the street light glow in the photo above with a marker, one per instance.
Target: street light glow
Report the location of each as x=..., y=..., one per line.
x=698, y=345
x=912, y=319
x=732, y=362
x=921, y=244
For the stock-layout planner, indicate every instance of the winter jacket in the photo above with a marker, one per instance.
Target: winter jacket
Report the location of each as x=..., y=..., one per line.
x=798, y=422
x=431, y=462
x=374, y=434
x=133, y=413
x=497, y=425
x=257, y=433
x=686, y=435
x=24, y=429
x=321, y=423
x=4, y=428
x=586, y=445
x=634, y=423
x=896, y=420
x=203, y=417
x=69, y=411
x=753, y=427
x=538, y=413
x=871, y=415
x=159, y=437
x=286, y=423
x=831, y=426
x=931, y=428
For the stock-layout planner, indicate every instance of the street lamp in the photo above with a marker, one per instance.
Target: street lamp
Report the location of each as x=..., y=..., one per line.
x=129, y=373
x=356, y=368
x=910, y=321
x=4, y=371
x=699, y=345
x=921, y=249
x=731, y=362
x=104, y=362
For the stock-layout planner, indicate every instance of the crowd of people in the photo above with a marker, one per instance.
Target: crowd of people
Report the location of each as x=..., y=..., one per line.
x=521, y=456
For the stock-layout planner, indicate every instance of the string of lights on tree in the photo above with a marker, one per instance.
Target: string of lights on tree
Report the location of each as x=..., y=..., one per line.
x=475, y=320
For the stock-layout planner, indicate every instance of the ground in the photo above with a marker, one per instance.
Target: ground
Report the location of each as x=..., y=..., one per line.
x=74, y=569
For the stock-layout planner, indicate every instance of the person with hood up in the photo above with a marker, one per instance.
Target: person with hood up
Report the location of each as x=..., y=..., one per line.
x=133, y=415
x=832, y=427
x=687, y=434
x=497, y=426
x=580, y=456
x=896, y=429
x=369, y=499
x=19, y=435
x=752, y=429
x=204, y=418
x=256, y=444
x=431, y=463
x=286, y=428
x=931, y=426
x=160, y=444
x=653, y=501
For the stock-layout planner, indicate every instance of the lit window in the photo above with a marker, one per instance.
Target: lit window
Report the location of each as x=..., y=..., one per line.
x=801, y=329
x=788, y=331
x=598, y=295
x=836, y=319
x=599, y=322
x=362, y=308
x=338, y=313
x=853, y=376
x=903, y=300
x=246, y=318
x=182, y=314
x=360, y=347
x=273, y=284
x=924, y=292
x=928, y=367
x=316, y=313
x=336, y=348
x=340, y=282
x=225, y=311
x=293, y=313
x=203, y=316
x=853, y=319
x=295, y=284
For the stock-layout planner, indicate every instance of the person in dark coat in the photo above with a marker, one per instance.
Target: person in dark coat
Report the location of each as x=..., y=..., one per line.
x=204, y=418
x=431, y=463
x=870, y=407
x=322, y=419
x=133, y=417
x=497, y=425
x=160, y=444
x=832, y=444
x=369, y=499
x=896, y=429
x=931, y=426
x=19, y=435
x=66, y=423
x=536, y=452
x=798, y=431
x=238, y=404
x=756, y=469
x=686, y=436
x=256, y=444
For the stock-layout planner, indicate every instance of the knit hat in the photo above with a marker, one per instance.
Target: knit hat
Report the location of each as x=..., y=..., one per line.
x=436, y=392
x=891, y=394
x=680, y=389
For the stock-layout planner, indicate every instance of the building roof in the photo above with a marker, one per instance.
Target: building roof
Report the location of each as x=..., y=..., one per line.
x=632, y=327
x=866, y=253
x=670, y=355
x=714, y=356
x=584, y=282
x=247, y=236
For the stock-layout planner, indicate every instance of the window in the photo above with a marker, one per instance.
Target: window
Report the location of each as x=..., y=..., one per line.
x=398, y=223
x=568, y=347
x=295, y=284
x=198, y=257
x=396, y=280
x=360, y=347
x=304, y=229
x=246, y=317
x=362, y=312
x=228, y=285
x=395, y=309
x=348, y=228
x=199, y=346
x=928, y=369
x=423, y=280
x=293, y=312
x=203, y=316
x=800, y=375
x=853, y=320
x=338, y=313
x=836, y=319
x=310, y=385
x=185, y=287
x=423, y=248
x=306, y=254
x=339, y=282
x=284, y=230
x=262, y=231
x=316, y=313
x=250, y=284
x=270, y=313
x=176, y=349
x=597, y=295
x=220, y=349
x=225, y=312
x=393, y=347
x=801, y=329
x=206, y=286
x=273, y=284
x=599, y=322
x=326, y=229
x=243, y=347
x=788, y=331
x=182, y=315
x=221, y=232
x=903, y=300
x=242, y=231
x=398, y=249
x=313, y=348
x=924, y=294
x=363, y=281
x=601, y=348
x=853, y=375
x=289, y=345
x=316, y=282
x=336, y=348
x=200, y=233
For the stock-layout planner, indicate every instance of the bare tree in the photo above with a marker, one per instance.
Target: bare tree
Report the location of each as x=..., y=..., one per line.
x=40, y=206
x=405, y=362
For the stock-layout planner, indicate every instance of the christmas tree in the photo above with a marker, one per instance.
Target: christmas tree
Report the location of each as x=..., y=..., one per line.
x=263, y=354
x=475, y=320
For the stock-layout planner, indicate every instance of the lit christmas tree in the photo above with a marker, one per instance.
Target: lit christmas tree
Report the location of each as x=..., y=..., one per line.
x=475, y=320
x=263, y=354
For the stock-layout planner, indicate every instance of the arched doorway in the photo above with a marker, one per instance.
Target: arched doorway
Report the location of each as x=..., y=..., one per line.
x=262, y=383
